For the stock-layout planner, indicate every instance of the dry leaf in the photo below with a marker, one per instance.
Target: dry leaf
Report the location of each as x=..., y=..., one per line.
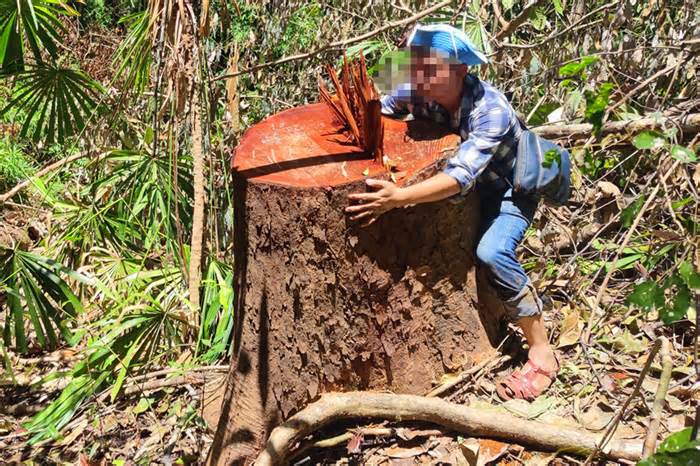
x=608, y=189
x=491, y=450
x=608, y=383
x=75, y=433
x=398, y=452
x=540, y=459
x=527, y=410
x=470, y=451
x=571, y=328
x=595, y=418
x=675, y=404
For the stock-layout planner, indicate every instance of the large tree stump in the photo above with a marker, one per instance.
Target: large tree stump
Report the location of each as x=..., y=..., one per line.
x=324, y=305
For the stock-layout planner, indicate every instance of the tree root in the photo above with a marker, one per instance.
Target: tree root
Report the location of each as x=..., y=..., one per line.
x=478, y=422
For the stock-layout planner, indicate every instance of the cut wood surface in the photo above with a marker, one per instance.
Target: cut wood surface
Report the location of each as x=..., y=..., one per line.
x=305, y=147
x=472, y=421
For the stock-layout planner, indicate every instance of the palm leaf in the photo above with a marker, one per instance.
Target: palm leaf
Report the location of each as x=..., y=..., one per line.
x=32, y=24
x=216, y=319
x=34, y=288
x=145, y=183
x=57, y=101
x=133, y=57
x=125, y=343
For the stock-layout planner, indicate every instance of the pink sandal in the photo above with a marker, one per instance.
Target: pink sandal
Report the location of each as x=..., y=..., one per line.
x=520, y=382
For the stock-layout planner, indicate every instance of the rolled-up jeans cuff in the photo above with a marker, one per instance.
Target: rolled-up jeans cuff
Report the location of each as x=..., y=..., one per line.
x=525, y=304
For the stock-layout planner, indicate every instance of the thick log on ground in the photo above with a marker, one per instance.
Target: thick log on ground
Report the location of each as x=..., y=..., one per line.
x=689, y=124
x=472, y=421
x=324, y=305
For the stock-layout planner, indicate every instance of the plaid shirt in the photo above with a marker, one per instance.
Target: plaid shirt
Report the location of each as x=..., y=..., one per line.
x=486, y=122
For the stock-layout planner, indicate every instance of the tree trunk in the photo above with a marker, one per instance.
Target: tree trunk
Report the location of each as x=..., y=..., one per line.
x=198, y=164
x=324, y=305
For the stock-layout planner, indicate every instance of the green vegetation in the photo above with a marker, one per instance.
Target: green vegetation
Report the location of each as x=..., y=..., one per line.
x=109, y=276
x=15, y=165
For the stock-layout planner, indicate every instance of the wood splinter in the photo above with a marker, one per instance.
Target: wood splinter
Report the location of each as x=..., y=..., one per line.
x=356, y=106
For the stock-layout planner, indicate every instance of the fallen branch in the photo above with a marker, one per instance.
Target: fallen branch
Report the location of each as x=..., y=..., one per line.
x=157, y=384
x=163, y=383
x=47, y=169
x=437, y=391
x=689, y=123
x=564, y=31
x=56, y=356
x=477, y=422
x=340, y=43
x=173, y=370
x=497, y=12
x=44, y=171
x=645, y=83
x=659, y=399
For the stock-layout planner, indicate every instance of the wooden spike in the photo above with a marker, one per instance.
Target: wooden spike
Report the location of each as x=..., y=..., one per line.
x=331, y=101
x=348, y=116
x=356, y=105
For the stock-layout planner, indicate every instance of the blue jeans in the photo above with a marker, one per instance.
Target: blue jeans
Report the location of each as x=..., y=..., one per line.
x=504, y=219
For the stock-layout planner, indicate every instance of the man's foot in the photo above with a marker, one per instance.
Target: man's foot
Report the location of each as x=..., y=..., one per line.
x=530, y=381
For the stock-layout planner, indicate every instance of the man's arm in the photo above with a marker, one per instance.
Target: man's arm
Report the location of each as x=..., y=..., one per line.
x=460, y=174
x=396, y=103
x=389, y=196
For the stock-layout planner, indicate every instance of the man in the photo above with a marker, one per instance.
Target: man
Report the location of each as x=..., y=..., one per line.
x=440, y=88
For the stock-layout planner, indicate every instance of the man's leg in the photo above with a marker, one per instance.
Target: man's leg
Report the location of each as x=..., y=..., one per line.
x=504, y=221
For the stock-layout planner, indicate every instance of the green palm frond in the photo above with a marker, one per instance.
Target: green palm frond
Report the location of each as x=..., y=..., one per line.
x=145, y=183
x=143, y=334
x=35, y=289
x=87, y=224
x=216, y=319
x=474, y=28
x=133, y=57
x=32, y=24
x=57, y=101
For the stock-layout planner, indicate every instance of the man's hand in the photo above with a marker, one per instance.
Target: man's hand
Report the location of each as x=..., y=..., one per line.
x=369, y=206
x=388, y=196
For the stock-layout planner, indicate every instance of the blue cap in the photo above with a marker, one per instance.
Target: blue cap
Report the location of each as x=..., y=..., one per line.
x=448, y=39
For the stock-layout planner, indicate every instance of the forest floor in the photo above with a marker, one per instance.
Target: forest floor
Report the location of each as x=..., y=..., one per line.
x=617, y=261
x=162, y=424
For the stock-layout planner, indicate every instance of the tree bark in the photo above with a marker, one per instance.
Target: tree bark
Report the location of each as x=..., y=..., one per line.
x=324, y=305
x=198, y=164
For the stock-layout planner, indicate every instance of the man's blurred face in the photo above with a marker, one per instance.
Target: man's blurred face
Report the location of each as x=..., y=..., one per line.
x=432, y=73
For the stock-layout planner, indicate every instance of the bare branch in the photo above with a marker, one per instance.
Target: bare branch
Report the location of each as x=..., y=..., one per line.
x=340, y=43
x=511, y=26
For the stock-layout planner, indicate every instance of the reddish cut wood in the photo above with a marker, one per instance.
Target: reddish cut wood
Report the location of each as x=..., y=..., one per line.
x=323, y=305
x=304, y=147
